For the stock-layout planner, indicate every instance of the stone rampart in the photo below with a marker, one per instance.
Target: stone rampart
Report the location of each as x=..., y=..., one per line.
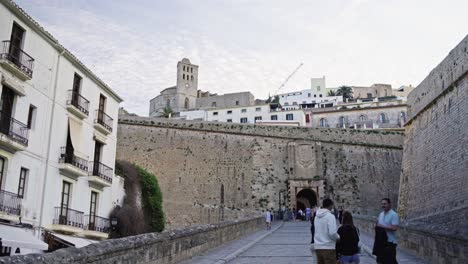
x=213, y=171
x=167, y=247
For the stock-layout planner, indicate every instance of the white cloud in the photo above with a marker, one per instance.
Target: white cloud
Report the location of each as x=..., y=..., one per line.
x=253, y=45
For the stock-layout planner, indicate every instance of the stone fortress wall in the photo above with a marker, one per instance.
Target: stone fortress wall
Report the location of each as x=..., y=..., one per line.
x=434, y=183
x=213, y=171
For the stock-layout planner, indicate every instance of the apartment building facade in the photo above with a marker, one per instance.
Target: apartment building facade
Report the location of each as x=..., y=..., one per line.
x=266, y=114
x=58, y=124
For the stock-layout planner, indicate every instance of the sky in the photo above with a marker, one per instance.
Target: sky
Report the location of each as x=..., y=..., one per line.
x=253, y=45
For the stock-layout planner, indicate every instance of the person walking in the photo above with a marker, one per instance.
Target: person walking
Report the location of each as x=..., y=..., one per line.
x=347, y=248
x=268, y=219
x=325, y=234
x=388, y=221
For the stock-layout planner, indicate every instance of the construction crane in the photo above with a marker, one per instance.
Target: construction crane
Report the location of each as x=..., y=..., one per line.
x=287, y=79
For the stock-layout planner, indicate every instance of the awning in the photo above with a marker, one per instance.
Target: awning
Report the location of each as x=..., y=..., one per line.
x=76, y=137
x=74, y=241
x=18, y=237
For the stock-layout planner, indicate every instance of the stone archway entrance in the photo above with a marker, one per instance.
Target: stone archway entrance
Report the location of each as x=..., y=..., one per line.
x=306, y=198
x=304, y=193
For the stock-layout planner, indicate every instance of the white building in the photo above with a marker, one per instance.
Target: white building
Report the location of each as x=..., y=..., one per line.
x=58, y=125
x=315, y=97
x=260, y=114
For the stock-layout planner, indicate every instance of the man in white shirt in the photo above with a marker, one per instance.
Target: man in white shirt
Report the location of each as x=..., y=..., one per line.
x=325, y=234
x=268, y=219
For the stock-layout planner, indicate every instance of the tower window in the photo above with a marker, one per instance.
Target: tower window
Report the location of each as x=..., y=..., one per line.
x=184, y=68
x=183, y=76
x=191, y=78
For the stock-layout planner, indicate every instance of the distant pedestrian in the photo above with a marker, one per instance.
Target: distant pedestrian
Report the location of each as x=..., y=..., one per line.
x=307, y=214
x=294, y=214
x=347, y=248
x=300, y=214
x=268, y=219
x=388, y=222
x=312, y=227
x=325, y=234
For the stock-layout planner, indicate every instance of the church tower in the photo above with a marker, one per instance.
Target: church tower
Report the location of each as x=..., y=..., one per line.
x=187, y=85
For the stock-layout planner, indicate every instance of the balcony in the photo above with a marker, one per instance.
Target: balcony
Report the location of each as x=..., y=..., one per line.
x=77, y=105
x=364, y=125
x=100, y=174
x=96, y=226
x=67, y=220
x=16, y=61
x=72, y=165
x=343, y=125
x=13, y=134
x=10, y=206
x=103, y=122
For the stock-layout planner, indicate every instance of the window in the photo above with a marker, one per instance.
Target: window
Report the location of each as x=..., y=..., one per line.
x=229, y=112
x=229, y=120
x=289, y=117
x=191, y=69
x=258, y=109
x=307, y=117
x=369, y=95
x=362, y=118
x=323, y=122
x=309, y=95
x=342, y=121
x=403, y=117
x=294, y=103
x=318, y=88
x=213, y=104
x=31, y=116
x=22, y=182
x=320, y=95
x=304, y=102
x=92, y=210
x=237, y=102
x=383, y=118
x=215, y=113
x=183, y=76
x=315, y=95
x=243, y=120
x=286, y=104
x=2, y=170
x=187, y=103
x=244, y=110
x=63, y=217
x=274, y=117
x=258, y=118
x=191, y=77
x=184, y=68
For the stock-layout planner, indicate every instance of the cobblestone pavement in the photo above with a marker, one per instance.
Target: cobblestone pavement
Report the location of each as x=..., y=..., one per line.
x=287, y=242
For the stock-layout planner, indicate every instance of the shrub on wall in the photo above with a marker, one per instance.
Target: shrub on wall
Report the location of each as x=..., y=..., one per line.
x=141, y=188
x=152, y=200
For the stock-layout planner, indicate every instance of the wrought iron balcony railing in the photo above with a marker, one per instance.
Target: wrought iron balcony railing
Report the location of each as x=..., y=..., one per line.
x=78, y=101
x=104, y=120
x=68, y=216
x=14, y=129
x=102, y=171
x=70, y=158
x=10, y=203
x=18, y=57
x=97, y=223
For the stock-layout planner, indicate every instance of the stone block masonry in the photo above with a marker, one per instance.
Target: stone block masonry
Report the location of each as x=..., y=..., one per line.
x=434, y=182
x=212, y=171
x=167, y=247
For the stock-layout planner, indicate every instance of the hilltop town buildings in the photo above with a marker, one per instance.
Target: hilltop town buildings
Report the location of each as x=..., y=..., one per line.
x=58, y=130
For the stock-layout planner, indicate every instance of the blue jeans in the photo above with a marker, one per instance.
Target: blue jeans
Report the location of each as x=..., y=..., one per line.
x=350, y=259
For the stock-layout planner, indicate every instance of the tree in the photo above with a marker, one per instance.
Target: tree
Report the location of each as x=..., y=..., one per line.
x=331, y=93
x=273, y=100
x=345, y=91
x=167, y=112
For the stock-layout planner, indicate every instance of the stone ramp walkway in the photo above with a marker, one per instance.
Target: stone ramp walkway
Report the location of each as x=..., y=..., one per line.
x=287, y=242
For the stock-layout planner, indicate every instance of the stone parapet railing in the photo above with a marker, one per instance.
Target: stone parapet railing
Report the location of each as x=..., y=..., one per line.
x=170, y=246
x=422, y=241
x=371, y=138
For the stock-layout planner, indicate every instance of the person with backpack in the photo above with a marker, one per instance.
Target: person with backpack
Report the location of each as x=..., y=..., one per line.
x=347, y=248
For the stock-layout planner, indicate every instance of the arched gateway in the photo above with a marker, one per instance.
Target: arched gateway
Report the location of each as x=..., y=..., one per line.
x=306, y=198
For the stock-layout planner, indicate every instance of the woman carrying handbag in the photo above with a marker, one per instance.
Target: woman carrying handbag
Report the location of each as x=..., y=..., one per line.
x=347, y=248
